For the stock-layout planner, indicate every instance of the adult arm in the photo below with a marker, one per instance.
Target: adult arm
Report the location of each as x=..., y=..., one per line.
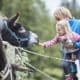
x=77, y=43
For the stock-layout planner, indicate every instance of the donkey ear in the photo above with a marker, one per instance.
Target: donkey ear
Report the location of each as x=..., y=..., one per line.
x=13, y=19
x=18, y=13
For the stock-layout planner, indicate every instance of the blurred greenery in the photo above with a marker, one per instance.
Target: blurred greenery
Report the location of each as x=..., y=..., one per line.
x=34, y=15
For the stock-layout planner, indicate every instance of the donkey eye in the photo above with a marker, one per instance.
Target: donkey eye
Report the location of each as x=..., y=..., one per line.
x=21, y=30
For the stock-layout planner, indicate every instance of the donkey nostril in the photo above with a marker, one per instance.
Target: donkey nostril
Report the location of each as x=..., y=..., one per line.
x=37, y=40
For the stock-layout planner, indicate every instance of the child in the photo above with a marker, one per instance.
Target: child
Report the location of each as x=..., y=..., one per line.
x=64, y=13
x=67, y=38
x=64, y=36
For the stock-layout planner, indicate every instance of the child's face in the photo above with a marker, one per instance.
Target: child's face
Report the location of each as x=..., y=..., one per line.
x=59, y=17
x=61, y=32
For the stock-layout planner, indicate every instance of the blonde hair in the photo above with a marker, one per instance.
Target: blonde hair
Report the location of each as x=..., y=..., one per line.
x=62, y=11
x=64, y=24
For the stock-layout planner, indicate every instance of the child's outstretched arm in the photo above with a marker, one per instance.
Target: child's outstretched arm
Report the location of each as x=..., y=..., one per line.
x=49, y=43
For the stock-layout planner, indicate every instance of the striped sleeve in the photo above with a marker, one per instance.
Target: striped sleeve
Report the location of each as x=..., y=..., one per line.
x=51, y=42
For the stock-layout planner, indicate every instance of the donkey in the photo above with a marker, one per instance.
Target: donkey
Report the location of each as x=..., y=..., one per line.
x=17, y=35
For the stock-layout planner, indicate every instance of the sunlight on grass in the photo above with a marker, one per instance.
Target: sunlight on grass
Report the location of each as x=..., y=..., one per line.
x=56, y=72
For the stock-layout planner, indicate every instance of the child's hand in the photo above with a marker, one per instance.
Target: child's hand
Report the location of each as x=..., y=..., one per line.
x=41, y=44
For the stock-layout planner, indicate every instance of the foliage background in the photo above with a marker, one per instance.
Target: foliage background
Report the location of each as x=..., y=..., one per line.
x=34, y=15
